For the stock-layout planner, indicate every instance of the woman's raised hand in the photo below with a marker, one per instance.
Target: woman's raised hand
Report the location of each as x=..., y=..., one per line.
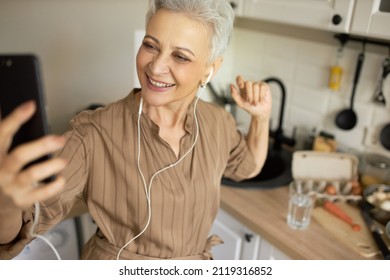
x=253, y=97
x=21, y=187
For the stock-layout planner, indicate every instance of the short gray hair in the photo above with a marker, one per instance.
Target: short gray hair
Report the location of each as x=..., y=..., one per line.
x=218, y=14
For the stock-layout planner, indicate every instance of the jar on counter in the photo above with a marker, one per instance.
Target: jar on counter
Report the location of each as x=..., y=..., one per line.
x=375, y=170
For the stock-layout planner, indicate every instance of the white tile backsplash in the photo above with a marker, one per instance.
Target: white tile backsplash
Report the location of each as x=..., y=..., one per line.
x=310, y=99
x=304, y=119
x=285, y=68
x=276, y=46
x=313, y=53
x=311, y=76
x=304, y=68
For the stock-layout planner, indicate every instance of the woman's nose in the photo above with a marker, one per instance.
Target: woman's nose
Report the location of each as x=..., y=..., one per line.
x=159, y=64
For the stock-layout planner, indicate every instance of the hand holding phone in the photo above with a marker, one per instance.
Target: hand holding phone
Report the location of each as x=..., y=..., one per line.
x=17, y=184
x=24, y=148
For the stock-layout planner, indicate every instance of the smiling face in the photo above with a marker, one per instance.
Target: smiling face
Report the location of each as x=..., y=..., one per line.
x=172, y=60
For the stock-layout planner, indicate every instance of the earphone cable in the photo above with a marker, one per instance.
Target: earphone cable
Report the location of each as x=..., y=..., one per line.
x=33, y=234
x=148, y=188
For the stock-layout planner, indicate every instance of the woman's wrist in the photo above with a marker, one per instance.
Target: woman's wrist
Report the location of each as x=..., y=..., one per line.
x=260, y=120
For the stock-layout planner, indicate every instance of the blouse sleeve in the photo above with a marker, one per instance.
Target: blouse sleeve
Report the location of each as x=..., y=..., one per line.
x=241, y=162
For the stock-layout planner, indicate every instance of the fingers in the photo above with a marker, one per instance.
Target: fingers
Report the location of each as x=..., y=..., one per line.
x=39, y=172
x=23, y=190
x=46, y=191
x=31, y=151
x=240, y=82
x=13, y=122
x=236, y=96
x=25, y=197
x=249, y=92
x=265, y=93
x=17, y=183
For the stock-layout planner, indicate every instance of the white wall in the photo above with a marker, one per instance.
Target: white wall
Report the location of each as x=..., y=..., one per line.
x=86, y=48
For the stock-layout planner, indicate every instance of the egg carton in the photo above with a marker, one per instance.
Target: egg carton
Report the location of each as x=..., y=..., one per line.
x=341, y=191
x=316, y=171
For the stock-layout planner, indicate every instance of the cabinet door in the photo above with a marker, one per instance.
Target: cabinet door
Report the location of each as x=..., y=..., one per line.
x=231, y=248
x=372, y=18
x=333, y=15
x=240, y=243
x=269, y=252
x=250, y=245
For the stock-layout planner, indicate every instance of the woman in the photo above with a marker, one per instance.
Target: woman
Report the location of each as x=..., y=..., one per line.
x=148, y=166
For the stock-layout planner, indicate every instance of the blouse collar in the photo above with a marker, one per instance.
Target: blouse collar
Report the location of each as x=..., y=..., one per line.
x=133, y=105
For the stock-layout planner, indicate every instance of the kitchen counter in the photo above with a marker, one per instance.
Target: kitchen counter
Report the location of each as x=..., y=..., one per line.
x=265, y=210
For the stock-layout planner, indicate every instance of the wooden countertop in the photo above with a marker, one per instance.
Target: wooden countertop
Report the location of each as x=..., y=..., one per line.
x=265, y=210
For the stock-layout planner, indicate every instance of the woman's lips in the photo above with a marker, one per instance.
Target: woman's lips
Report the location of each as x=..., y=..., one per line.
x=158, y=84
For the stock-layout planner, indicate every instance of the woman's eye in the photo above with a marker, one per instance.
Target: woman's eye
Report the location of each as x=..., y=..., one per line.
x=181, y=58
x=148, y=46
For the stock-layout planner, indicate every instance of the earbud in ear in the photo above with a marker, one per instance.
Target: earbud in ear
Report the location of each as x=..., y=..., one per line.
x=209, y=77
x=141, y=102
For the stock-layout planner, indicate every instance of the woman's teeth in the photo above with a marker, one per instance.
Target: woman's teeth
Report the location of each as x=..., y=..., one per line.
x=159, y=84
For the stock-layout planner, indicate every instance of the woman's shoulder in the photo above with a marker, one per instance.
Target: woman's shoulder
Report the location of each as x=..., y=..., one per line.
x=103, y=116
x=94, y=113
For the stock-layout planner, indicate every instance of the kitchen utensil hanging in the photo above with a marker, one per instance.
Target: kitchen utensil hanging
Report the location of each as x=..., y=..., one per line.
x=336, y=71
x=379, y=97
x=347, y=118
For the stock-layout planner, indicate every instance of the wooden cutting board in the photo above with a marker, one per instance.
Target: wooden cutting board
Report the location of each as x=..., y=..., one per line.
x=360, y=241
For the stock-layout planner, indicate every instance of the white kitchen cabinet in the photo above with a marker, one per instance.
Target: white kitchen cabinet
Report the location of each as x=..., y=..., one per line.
x=231, y=248
x=371, y=18
x=332, y=15
x=269, y=252
x=241, y=243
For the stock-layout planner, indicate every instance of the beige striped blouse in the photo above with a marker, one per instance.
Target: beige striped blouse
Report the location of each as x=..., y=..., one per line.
x=102, y=152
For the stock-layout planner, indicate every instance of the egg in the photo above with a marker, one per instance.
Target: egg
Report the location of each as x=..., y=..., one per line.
x=331, y=189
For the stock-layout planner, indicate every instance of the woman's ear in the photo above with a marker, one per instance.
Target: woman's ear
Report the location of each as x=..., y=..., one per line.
x=213, y=70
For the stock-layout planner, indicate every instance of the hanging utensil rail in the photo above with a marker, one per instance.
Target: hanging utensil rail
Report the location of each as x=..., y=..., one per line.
x=344, y=38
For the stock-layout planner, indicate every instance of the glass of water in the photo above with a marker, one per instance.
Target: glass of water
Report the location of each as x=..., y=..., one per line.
x=301, y=201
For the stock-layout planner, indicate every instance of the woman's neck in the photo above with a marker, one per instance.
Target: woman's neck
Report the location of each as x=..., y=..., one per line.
x=172, y=115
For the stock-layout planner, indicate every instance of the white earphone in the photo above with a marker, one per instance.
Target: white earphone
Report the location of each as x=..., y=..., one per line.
x=208, y=78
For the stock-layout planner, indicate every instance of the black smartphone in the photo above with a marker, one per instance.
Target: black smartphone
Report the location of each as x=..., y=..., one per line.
x=20, y=81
